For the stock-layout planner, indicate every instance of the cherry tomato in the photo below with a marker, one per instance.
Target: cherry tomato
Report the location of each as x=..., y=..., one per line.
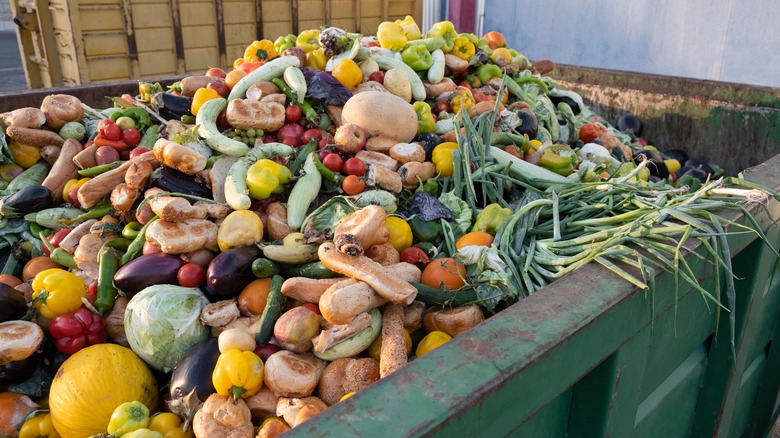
x=220, y=88
x=293, y=113
x=291, y=141
x=311, y=134
x=378, y=76
x=352, y=185
x=191, y=275
x=216, y=72
x=131, y=136
x=92, y=291
x=108, y=129
x=56, y=238
x=138, y=151
x=333, y=162
x=354, y=166
x=442, y=106
x=590, y=132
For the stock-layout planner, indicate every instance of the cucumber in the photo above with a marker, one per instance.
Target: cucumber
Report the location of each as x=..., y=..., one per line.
x=314, y=270
x=436, y=72
x=294, y=78
x=266, y=72
x=387, y=63
x=445, y=298
x=303, y=193
x=236, y=191
x=264, y=268
x=207, y=128
x=272, y=311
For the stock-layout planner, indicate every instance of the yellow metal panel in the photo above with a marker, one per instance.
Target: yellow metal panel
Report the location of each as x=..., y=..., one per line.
x=199, y=59
x=101, y=19
x=105, y=44
x=198, y=14
x=199, y=36
x=107, y=69
x=309, y=10
x=275, y=11
x=371, y=8
x=153, y=15
x=399, y=10
x=342, y=9
x=239, y=34
x=238, y=12
x=159, y=63
x=154, y=40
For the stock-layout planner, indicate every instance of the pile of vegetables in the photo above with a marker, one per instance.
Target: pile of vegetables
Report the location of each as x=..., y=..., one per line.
x=233, y=255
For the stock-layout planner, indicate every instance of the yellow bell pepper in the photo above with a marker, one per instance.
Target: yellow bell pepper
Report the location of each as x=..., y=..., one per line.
x=431, y=341
x=262, y=50
x=446, y=31
x=169, y=425
x=202, y=95
x=38, y=426
x=72, y=184
x=266, y=177
x=501, y=57
x=24, y=154
x=348, y=73
x=441, y=157
x=238, y=374
x=57, y=291
x=127, y=417
x=240, y=228
x=316, y=59
x=463, y=48
x=411, y=29
x=308, y=40
x=461, y=98
x=391, y=36
x=400, y=233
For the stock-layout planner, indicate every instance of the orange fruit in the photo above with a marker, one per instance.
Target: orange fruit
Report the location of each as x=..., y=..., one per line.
x=10, y=280
x=36, y=265
x=479, y=238
x=233, y=77
x=252, y=299
x=445, y=273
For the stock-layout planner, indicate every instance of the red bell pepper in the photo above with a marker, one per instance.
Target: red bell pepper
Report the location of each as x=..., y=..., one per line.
x=119, y=145
x=76, y=330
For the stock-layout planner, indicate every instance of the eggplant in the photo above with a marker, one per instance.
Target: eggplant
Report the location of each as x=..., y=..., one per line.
x=676, y=154
x=12, y=303
x=172, y=180
x=701, y=165
x=528, y=123
x=428, y=141
x=630, y=124
x=191, y=382
x=693, y=172
x=170, y=106
x=655, y=164
x=231, y=271
x=575, y=107
x=147, y=270
x=30, y=199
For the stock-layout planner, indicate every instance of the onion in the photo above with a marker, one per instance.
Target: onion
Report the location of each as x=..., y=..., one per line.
x=292, y=375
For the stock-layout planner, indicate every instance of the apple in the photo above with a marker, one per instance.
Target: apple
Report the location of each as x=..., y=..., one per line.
x=350, y=138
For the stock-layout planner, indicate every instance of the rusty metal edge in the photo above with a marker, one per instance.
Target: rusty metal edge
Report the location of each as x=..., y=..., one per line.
x=259, y=19
x=178, y=40
x=132, y=45
x=219, y=11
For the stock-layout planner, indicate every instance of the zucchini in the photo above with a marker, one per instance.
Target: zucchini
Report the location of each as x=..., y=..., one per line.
x=264, y=268
x=266, y=72
x=445, y=298
x=32, y=176
x=315, y=270
x=30, y=199
x=207, y=128
x=272, y=311
x=236, y=191
x=54, y=218
x=294, y=78
x=387, y=63
x=436, y=72
x=303, y=193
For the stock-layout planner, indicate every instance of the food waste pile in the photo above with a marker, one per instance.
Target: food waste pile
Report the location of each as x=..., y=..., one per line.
x=235, y=253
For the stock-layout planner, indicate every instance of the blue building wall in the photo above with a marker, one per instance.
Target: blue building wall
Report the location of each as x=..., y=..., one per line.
x=723, y=40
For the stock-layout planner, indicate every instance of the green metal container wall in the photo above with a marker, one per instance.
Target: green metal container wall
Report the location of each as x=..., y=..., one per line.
x=590, y=355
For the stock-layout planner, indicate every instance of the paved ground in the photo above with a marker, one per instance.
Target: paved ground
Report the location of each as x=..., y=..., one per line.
x=11, y=71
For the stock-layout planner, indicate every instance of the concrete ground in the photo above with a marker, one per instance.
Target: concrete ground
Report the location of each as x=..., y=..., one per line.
x=11, y=70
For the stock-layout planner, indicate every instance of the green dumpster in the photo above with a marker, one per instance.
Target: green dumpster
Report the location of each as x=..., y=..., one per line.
x=591, y=355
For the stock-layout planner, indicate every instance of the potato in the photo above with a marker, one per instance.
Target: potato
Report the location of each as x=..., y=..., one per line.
x=106, y=155
x=380, y=113
x=398, y=83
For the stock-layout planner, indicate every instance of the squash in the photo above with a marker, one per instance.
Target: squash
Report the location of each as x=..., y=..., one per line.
x=92, y=383
x=381, y=113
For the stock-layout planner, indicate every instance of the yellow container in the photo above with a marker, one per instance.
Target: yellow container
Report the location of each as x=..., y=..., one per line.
x=76, y=42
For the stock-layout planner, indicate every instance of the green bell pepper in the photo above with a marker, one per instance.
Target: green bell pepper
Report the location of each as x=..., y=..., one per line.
x=417, y=57
x=491, y=218
x=425, y=122
x=487, y=72
x=284, y=42
x=558, y=158
x=425, y=231
x=446, y=31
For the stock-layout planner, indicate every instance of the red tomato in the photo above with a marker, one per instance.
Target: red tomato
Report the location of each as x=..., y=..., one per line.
x=352, y=185
x=354, y=166
x=131, y=136
x=216, y=72
x=138, y=151
x=293, y=113
x=291, y=141
x=311, y=134
x=220, y=88
x=415, y=256
x=333, y=162
x=442, y=106
x=249, y=67
x=323, y=143
x=191, y=275
x=378, y=76
x=56, y=238
x=108, y=129
x=590, y=132
x=465, y=84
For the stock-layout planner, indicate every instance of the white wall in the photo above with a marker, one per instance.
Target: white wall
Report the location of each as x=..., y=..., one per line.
x=723, y=40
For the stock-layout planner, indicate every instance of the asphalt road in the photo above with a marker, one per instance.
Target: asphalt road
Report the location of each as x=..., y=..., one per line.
x=11, y=71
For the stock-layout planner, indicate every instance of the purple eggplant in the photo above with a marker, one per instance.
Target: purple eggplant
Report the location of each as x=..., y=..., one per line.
x=231, y=271
x=147, y=270
x=191, y=379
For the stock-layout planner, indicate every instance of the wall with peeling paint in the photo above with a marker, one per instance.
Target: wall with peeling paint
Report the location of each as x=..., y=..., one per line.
x=723, y=40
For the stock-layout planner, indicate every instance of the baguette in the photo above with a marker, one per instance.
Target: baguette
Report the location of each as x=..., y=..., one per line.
x=307, y=290
x=393, y=352
x=34, y=137
x=63, y=169
x=252, y=114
